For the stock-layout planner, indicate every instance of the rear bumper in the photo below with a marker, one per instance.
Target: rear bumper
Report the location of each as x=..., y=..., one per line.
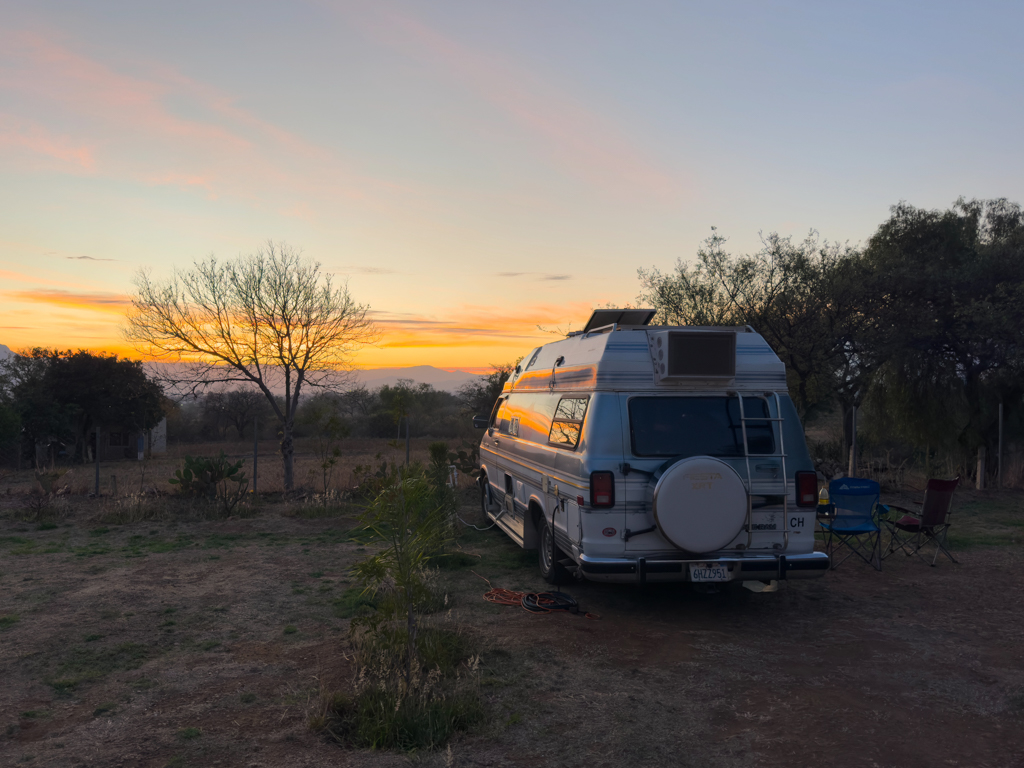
x=649, y=569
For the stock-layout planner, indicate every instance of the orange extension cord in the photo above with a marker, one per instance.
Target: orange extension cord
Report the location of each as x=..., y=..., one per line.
x=532, y=602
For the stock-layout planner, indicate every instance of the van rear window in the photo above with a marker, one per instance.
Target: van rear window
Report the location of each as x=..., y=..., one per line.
x=698, y=426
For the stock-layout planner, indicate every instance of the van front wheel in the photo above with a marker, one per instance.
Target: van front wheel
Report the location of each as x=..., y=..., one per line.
x=485, y=497
x=552, y=571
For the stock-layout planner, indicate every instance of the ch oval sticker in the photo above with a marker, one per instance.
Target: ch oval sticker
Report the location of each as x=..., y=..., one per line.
x=609, y=531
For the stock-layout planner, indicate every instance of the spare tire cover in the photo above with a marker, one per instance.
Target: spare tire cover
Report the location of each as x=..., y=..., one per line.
x=700, y=504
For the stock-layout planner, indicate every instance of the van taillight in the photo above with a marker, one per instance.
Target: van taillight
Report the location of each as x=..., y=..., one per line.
x=602, y=489
x=806, y=489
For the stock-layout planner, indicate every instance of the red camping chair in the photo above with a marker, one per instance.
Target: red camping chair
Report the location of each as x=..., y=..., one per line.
x=912, y=531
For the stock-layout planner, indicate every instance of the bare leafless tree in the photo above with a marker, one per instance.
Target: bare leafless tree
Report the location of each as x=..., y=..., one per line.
x=271, y=319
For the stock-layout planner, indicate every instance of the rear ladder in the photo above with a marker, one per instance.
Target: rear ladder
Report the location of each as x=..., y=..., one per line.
x=765, y=484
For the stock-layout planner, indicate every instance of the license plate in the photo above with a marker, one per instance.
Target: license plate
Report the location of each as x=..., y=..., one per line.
x=709, y=572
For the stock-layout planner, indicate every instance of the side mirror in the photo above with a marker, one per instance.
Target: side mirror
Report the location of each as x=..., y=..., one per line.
x=480, y=422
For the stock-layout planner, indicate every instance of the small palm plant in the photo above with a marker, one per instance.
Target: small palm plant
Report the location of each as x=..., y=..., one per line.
x=413, y=518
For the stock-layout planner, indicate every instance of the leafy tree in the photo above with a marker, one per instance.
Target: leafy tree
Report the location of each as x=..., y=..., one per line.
x=270, y=320
x=233, y=409
x=945, y=297
x=922, y=326
x=478, y=397
x=10, y=432
x=802, y=297
x=63, y=396
x=241, y=406
x=322, y=416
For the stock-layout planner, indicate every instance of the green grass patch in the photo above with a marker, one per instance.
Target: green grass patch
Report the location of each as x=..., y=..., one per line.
x=511, y=559
x=90, y=550
x=209, y=645
x=442, y=648
x=100, y=532
x=997, y=522
x=380, y=718
x=34, y=714
x=83, y=665
x=322, y=511
x=105, y=710
x=291, y=629
x=93, y=638
x=453, y=561
x=188, y=734
x=223, y=540
x=357, y=535
x=8, y=621
x=247, y=698
x=47, y=526
x=353, y=602
x=29, y=548
x=140, y=546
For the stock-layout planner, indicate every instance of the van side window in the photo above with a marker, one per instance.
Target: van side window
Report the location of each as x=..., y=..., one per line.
x=568, y=422
x=494, y=412
x=501, y=421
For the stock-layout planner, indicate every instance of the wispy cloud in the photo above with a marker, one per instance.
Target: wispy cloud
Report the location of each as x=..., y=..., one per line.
x=33, y=138
x=96, y=302
x=358, y=270
x=536, y=275
x=473, y=326
x=87, y=258
x=155, y=126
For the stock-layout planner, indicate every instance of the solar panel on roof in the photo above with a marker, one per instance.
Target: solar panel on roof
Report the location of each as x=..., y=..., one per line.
x=603, y=317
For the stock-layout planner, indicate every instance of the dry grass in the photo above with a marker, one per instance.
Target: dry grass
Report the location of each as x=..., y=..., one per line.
x=181, y=624
x=122, y=478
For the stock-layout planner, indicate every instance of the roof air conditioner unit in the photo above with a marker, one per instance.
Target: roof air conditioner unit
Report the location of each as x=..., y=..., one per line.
x=690, y=356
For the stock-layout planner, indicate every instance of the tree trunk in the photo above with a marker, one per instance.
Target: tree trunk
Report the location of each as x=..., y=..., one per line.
x=288, y=455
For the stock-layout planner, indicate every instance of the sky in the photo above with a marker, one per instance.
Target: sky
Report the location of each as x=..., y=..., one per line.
x=481, y=173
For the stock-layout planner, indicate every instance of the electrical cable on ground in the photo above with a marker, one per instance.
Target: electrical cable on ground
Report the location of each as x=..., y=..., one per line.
x=475, y=528
x=533, y=602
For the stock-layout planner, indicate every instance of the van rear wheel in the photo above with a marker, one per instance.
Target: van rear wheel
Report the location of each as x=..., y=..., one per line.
x=552, y=571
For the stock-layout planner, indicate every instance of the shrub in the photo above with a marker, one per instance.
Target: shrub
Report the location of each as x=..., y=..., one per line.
x=410, y=692
x=413, y=519
x=379, y=717
x=213, y=478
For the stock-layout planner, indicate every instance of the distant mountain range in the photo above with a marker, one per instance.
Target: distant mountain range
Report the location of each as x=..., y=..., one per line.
x=375, y=378
x=450, y=381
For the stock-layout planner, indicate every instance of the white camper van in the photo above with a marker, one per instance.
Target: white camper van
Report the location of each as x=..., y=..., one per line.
x=635, y=453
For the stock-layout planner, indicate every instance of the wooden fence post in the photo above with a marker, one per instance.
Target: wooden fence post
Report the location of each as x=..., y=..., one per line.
x=981, y=469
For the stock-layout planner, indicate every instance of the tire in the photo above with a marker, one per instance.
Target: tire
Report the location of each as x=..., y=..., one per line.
x=486, y=508
x=549, y=555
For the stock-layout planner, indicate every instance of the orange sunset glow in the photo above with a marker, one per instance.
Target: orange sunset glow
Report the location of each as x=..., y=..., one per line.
x=473, y=173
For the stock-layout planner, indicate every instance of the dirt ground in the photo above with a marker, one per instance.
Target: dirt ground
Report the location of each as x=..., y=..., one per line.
x=206, y=643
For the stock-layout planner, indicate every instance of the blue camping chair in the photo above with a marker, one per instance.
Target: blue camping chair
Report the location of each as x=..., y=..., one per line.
x=854, y=522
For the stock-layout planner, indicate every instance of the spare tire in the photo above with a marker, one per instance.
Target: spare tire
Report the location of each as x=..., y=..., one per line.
x=700, y=504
